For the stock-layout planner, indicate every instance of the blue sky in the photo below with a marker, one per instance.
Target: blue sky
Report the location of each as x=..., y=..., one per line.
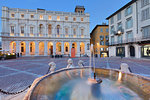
x=98, y=9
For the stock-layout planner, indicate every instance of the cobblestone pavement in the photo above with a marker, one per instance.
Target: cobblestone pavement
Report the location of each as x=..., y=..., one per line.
x=17, y=74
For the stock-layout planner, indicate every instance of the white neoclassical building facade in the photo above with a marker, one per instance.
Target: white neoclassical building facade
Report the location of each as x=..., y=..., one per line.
x=40, y=32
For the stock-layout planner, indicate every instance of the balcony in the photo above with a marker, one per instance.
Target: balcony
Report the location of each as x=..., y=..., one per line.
x=5, y=34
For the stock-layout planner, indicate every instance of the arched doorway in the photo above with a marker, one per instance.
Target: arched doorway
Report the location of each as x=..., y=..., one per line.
x=41, y=48
x=58, y=48
x=66, y=48
x=23, y=48
x=50, y=48
x=74, y=45
x=13, y=47
x=132, y=51
x=82, y=48
x=32, y=48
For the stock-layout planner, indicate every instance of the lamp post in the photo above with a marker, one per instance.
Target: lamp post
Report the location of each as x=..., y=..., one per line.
x=119, y=33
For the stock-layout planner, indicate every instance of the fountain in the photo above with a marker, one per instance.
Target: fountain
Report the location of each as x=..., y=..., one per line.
x=75, y=84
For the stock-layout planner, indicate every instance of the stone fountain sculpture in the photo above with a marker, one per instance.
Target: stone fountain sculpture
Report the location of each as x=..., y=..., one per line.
x=70, y=64
x=52, y=67
x=80, y=64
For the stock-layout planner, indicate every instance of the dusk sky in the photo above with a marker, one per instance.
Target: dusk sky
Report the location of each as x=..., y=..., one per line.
x=98, y=9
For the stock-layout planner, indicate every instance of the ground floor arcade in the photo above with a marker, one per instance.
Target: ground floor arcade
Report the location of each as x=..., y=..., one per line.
x=44, y=48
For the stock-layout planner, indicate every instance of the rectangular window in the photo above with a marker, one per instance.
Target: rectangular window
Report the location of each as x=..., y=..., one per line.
x=32, y=16
x=107, y=43
x=107, y=37
x=146, y=32
x=112, y=20
x=112, y=40
x=12, y=15
x=101, y=49
x=145, y=14
x=119, y=16
x=12, y=29
x=101, y=42
x=129, y=23
x=101, y=30
x=129, y=36
x=22, y=29
x=41, y=17
x=144, y=3
x=119, y=39
x=49, y=17
x=31, y=30
x=74, y=31
x=66, y=31
x=81, y=19
x=82, y=31
x=58, y=18
x=119, y=26
x=112, y=29
x=101, y=37
x=66, y=18
x=128, y=11
x=107, y=30
x=22, y=15
x=74, y=19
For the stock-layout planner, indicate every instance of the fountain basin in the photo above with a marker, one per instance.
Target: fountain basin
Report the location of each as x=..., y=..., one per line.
x=72, y=84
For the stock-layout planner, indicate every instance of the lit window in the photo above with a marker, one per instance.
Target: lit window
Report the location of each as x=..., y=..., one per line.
x=58, y=17
x=74, y=19
x=12, y=15
x=41, y=17
x=50, y=17
x=82, y=19
x=22, y=15
x=66, y=18
x=32, y=16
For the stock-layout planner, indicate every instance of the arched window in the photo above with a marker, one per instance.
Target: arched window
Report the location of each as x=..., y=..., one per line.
x=58, y=29
x=49, y=29
x=40, y=28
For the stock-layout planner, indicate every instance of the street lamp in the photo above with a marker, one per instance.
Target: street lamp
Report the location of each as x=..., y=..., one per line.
x=119, y=33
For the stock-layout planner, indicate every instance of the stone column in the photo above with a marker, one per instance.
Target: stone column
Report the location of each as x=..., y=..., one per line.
x=85, y=48
x=45, y=48
x=78, y=49
x=54, y=48
x=36, y=48
x=17, y=47
x=27, y=48
x=126, y=51
x=70, y=46
x=62, y=48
